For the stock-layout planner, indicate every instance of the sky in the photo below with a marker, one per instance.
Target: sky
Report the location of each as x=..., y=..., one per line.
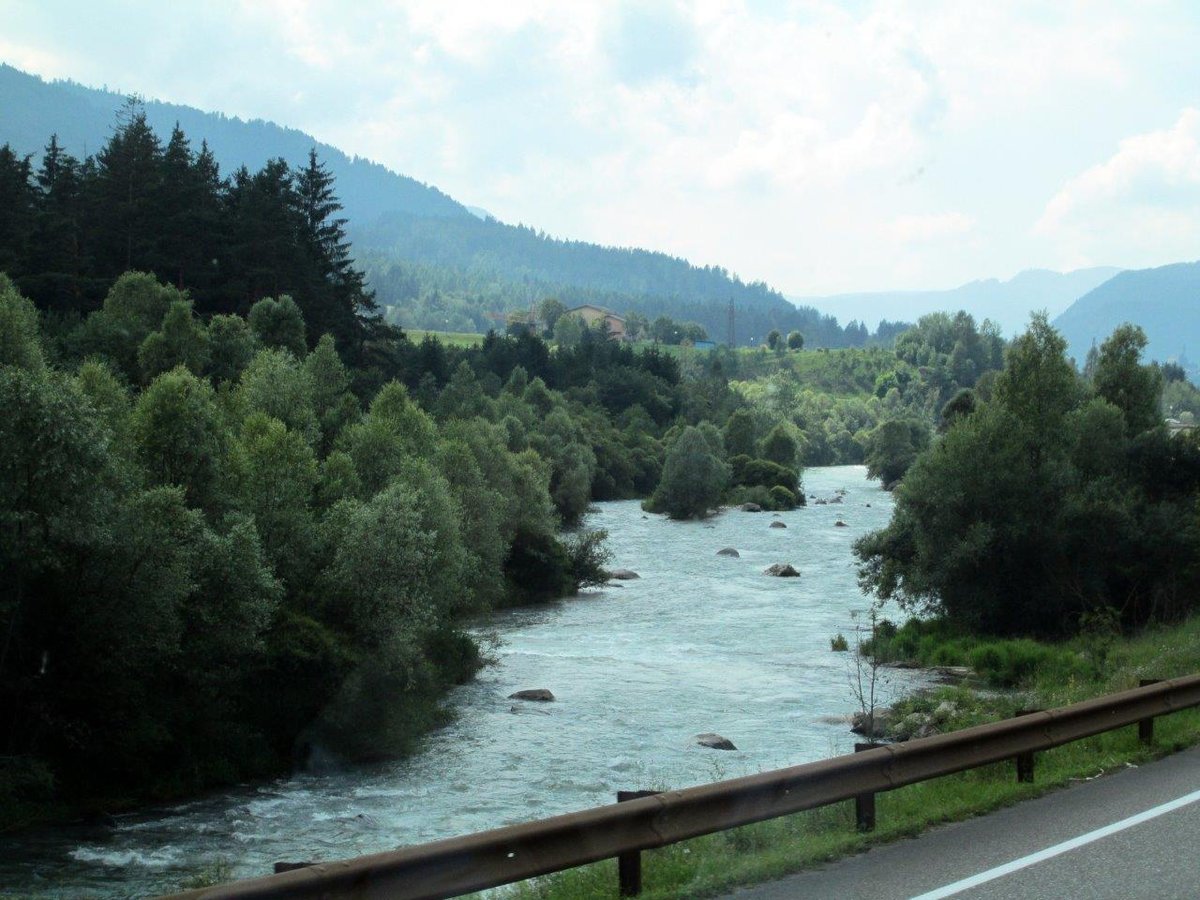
x=820, y=147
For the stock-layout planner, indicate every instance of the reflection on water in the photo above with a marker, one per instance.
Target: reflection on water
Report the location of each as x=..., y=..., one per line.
x=699, y=643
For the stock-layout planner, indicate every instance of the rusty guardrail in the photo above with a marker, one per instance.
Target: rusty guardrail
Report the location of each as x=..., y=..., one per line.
x=460, y=865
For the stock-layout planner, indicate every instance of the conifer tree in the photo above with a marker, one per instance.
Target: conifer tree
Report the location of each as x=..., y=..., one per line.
x=129, y=177
x=16, y=209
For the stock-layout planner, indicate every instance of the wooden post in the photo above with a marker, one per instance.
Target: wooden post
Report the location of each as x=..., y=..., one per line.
x=864, y=804
x=292, y=866
x=629, y=865
x=1025, y=760
x=1146, y=726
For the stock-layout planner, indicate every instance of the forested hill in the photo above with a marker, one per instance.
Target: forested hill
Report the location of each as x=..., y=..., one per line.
x=1164, y=301
x=439, y=265
x=461, y=275
x=83, y=118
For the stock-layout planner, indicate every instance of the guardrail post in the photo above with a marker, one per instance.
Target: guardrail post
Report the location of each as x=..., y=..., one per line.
x=292, y=866
x=1025, y=760
x=1146, y=726
x=629, y=865
x=864, y=804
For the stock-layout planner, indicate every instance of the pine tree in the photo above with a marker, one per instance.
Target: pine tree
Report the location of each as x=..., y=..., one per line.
x=129, y=176
x=56, y=258
x=325, y=233
x=17, y=206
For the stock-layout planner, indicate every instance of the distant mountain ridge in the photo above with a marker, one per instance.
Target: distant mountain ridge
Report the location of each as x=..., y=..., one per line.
x=1008, y=303
x=1164, y=301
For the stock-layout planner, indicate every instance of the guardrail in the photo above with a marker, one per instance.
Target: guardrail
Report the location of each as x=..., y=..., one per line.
x=460, y=865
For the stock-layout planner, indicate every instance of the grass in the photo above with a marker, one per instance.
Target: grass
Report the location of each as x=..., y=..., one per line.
x=717, y=863
x=449, y=338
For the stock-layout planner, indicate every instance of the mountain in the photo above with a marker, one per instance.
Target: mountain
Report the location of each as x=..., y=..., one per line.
x=419, y=238
x=1164, y=301
x=1007, y=303
x=83, y=118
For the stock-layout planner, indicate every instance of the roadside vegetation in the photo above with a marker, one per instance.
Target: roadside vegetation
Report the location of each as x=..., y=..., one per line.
x=717, y=863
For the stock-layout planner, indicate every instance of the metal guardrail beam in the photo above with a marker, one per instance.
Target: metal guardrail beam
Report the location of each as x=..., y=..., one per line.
x=487, y=859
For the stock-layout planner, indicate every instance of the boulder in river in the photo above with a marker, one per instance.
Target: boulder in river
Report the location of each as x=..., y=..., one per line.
x=840, y=524
x=540, y=695
x=778, y=524
x=781, y=570
x=728, y=551
x=623, y=574
x=714, y=741
x=750, y=507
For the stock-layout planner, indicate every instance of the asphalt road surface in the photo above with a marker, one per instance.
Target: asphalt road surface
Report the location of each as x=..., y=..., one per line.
x=1132, y=834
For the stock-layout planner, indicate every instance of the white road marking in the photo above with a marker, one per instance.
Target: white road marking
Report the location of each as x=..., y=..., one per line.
x=1058, y=849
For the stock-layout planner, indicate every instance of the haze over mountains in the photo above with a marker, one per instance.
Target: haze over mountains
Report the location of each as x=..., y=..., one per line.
x=1008, y=303
x=1164, y=301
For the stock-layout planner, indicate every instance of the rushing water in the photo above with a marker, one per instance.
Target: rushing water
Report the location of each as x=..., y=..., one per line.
x=699, y=643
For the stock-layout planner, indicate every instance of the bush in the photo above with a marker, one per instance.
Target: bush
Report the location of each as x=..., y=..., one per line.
x=766, y=473
x=1003, y=663
x=755, y=494
x=838, y=643
x=588, y=556
x=782, y=498
x=537, y=568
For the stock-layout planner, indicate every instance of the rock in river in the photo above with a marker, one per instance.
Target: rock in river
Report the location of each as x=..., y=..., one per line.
x=750, y=507
x=782, y=570
x=728, y=551
x=623, y=574
x=541, y=695
x=715, y=741
x=778, y=524
x=873, y=724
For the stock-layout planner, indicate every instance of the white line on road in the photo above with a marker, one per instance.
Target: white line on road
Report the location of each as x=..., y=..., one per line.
x=1025, y=861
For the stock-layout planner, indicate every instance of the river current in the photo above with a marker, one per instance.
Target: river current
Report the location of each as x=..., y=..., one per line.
x=699, y=643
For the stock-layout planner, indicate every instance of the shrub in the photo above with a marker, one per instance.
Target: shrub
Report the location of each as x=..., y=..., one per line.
x=782, y=498
x=752, y=494
x=588, y=555
x=838, y=643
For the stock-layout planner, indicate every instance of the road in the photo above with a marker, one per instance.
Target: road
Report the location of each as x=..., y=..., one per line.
x=1133, y=834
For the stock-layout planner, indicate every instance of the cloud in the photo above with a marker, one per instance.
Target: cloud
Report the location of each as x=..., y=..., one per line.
x=815, y=144
x=648, y=42
x=34, y=59
x=1140, y=207
x=931, y=227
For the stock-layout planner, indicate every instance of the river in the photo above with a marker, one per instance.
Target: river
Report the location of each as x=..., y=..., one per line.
x=699, y=643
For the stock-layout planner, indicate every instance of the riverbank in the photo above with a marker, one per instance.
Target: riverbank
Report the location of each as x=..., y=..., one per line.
x=701, y=642
x=717, y=863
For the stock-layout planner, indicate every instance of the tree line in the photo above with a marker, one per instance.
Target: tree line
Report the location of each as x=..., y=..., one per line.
x=240, y=519
x=1052, y=500
x=69, y=227
x=423, y=286
x=220, y=555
